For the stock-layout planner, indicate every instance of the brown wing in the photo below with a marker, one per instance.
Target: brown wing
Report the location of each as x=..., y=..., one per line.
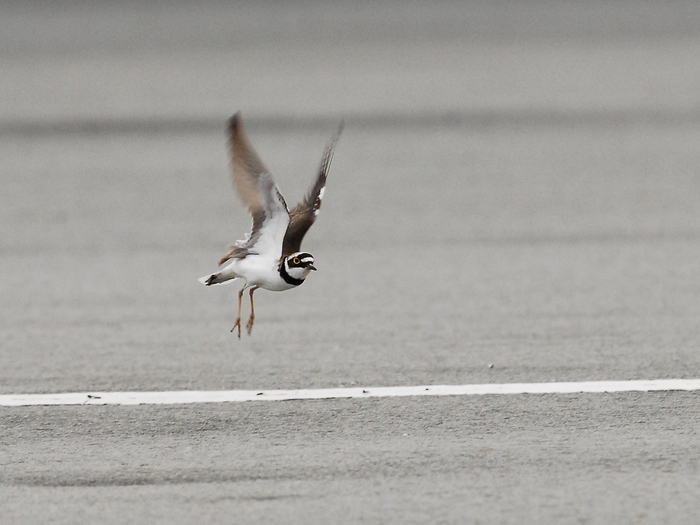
x=259, y=193
x=304, y=215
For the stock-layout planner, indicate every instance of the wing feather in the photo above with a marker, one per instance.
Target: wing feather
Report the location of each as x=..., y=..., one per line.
x=304, y=214
x=260, y=195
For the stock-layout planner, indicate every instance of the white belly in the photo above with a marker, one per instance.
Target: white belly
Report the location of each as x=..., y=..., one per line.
x=259, y=271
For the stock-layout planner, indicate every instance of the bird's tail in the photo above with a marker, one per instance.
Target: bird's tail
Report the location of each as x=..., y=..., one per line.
x=217, y=278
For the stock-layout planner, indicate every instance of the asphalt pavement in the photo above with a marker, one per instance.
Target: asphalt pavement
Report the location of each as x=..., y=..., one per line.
x=513, y=199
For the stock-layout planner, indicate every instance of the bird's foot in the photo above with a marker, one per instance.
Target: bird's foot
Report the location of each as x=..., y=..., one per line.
x=238, y=325
x=249, y=326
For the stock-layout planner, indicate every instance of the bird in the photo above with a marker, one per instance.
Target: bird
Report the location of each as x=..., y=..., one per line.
x=270, y=256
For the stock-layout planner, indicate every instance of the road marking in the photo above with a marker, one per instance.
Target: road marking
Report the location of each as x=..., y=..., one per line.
x=226, y=396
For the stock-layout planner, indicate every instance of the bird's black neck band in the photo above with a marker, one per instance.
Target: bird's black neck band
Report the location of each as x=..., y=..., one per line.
x=288, y=278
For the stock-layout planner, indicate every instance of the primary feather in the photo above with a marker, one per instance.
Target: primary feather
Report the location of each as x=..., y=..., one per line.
x=304, y=214
x=259, y=193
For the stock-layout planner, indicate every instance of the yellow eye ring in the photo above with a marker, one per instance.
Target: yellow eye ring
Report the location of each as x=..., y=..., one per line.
x=296, y=260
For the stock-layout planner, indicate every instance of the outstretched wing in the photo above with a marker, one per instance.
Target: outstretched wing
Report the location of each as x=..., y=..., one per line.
x=304, y=215
x=259, y=193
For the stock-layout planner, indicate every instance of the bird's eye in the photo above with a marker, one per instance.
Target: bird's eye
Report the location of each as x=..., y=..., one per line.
x=296, y=260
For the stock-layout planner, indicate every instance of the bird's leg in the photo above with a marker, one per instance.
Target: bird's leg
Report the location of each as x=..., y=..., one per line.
x=238, y=319
x=251, y=320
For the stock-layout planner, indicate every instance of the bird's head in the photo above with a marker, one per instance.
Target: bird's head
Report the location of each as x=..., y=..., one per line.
x=298, y=265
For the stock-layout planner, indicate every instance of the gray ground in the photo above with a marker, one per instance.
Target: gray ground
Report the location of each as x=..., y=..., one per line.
x=517, y=184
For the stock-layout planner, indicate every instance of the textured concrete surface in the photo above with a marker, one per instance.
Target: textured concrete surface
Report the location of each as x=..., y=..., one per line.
x=516, y=185
x=616, y=458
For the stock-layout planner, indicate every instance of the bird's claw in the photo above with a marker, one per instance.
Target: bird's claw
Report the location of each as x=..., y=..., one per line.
x=237, y=325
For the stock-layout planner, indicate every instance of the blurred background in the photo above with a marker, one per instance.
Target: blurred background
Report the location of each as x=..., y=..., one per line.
x=516, y=185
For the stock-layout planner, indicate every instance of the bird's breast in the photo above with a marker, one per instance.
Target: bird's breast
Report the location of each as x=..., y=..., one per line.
x=262, y=272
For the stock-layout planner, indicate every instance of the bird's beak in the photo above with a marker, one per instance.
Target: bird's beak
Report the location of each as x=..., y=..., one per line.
x=311, y=267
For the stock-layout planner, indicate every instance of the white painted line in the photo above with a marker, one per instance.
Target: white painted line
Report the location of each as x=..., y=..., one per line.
x=223, y=396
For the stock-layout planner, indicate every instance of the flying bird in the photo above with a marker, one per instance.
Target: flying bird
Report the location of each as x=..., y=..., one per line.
x=270, y=256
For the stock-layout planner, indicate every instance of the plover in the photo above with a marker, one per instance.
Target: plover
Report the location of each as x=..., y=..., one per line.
x=270, y=256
